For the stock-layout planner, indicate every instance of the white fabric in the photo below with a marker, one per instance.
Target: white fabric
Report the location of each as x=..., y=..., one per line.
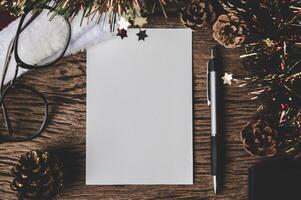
x=82, y=36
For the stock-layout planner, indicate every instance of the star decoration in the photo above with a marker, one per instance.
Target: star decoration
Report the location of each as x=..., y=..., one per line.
x=140, y=21
x=142, y=35
x=122, y=33
x=123, y=23
x=228, y=78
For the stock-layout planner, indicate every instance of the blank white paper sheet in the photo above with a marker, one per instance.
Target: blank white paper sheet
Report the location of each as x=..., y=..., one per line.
x=139, y=109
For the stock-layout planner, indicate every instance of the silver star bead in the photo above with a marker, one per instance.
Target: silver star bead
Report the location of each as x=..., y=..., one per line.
x=123, y=23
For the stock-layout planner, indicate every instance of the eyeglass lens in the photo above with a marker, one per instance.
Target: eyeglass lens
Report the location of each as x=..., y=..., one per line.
x=25, y=110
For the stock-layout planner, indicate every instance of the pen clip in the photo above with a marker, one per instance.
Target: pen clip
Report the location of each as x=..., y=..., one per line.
x=208, y=83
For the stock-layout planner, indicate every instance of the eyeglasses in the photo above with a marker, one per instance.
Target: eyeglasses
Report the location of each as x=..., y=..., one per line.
x=38, y=43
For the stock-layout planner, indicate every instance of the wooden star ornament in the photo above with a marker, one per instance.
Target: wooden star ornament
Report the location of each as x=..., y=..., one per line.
x=140, y=21
x=122, y=33
x=142, y=35
x=123, y=23
x=228, y=78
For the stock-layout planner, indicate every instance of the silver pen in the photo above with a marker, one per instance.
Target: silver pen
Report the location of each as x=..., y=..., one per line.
x=214, y=91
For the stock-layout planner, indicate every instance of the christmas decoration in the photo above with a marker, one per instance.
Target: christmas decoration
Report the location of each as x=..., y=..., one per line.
x=122, y=33
x=129, y=13
x=140, y=21
x=229, y=30
x=72, y=8
x=193, y=14
x=123, y=23
x=38, y=175
x=292, y=147
x=269, y=33
x=129, y=10
x=151, y=5
x=227, y=78
x=259, y=138
x=142, y=35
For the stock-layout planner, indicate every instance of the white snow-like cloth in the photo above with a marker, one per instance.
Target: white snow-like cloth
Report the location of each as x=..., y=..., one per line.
x=44, y=38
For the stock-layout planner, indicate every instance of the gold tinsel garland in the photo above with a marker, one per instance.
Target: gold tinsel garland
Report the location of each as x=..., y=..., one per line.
x=130, y=9
x=272, y=53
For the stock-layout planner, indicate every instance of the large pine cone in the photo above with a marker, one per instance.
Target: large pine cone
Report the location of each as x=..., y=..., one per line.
x=38, y=175
x=196, y=14
x=259, y=138
x=229, y=30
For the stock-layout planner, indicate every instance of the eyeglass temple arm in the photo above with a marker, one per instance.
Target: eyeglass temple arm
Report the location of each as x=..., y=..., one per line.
x=7, y=61
x=7, y=121
x=11, y=49
x=6, y=118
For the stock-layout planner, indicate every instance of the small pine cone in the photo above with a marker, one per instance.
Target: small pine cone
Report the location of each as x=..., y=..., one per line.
x=196, y=14
x=259, y=138
x=229, y=30
x=38, y=175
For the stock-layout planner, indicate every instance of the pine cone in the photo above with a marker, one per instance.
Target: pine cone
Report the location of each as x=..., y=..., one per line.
x=38, y=175
x=196, y=14
x=229, y=30
x=259, y=138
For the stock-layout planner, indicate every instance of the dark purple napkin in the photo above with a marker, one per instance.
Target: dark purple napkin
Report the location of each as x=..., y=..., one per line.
x=275, y=179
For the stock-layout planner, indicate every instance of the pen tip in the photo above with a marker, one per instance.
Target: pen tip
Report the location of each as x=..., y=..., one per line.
x=214, y=185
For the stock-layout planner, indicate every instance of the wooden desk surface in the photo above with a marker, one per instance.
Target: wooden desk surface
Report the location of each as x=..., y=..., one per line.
x=65, y=88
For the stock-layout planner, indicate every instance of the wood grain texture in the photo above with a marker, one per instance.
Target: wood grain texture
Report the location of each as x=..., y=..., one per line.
x=64, y=85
